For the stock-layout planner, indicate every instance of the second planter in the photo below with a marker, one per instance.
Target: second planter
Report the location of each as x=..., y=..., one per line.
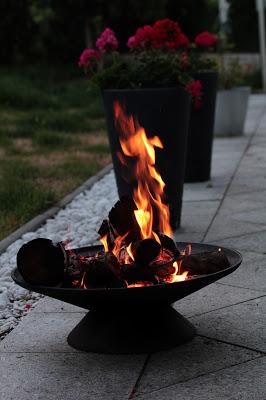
x=200, y=134
x=163, y=113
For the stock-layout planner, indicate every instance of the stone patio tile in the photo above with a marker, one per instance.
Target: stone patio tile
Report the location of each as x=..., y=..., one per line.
x=198, y=357
x=255, y=242
x=197, y=217
x=251, y=273
x=213, y=297
x=78, y=376
x=45, y=333
x=182, y=236
x=48, y=304
x=244, y=184
x=226, y=226
x=246, y=381
x=236, y=204
x=202, y=191
x=242, y=324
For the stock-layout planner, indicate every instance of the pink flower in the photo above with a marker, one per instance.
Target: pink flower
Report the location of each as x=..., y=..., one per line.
x=183, y=40
x=167, y=33
x=107, y=41
x=194, y=89
x=89, y=57
x=132, y=42
x=27, y=306
x=142, y=39
x=205, y=39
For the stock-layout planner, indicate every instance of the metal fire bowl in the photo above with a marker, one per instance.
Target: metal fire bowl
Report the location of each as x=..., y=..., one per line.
x=132, y=320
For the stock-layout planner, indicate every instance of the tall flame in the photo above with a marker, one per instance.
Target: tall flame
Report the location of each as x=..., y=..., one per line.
x=150, y=186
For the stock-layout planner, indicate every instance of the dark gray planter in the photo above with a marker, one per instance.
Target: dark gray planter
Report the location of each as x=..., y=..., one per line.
x=231, y=110
x=164, y=113
x=200, y=134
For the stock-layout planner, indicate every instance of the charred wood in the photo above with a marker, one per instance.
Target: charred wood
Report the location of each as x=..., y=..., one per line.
x=205, y=263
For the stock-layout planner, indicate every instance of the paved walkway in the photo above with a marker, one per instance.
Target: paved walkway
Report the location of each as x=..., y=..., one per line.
x=226, y=360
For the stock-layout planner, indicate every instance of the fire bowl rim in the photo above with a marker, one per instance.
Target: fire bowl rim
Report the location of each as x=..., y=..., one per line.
x=16, y=276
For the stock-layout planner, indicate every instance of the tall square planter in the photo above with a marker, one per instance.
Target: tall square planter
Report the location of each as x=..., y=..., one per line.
x=164, y=113
x=231, y=110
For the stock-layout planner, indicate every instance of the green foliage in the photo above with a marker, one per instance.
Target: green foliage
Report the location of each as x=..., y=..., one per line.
x=148, y=69
x=234, y=74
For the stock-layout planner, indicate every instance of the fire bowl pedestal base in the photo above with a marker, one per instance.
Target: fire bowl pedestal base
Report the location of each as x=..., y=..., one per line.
x=131, y=331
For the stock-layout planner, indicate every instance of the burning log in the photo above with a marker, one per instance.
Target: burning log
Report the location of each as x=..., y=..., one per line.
x=122, y=220
x=168, y=244
x=146, y=251
x=205, y=263
x=107, y=232
x=137, y=273
x=163, y=270
x=41, y=262
x=103, y=271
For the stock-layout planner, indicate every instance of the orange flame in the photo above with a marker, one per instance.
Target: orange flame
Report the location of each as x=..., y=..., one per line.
x=148, y=194
x=175, y=276
x=118, y=242
x=129, y=252
x=150, y=190
x=103, y=239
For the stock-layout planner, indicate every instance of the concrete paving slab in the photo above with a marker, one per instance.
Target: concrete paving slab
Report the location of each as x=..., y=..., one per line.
x=226, y=226
x=241, y=382
x=244, y=184
x=240, y=206
x=251, y=274
x=182, y=236
x=193, y=359
x=45, y=333
x=47, y=304
x=202, y=191
x=242, y=324
x=197, y=217
x=213, y=297
x=255, y=242
x=78, y=376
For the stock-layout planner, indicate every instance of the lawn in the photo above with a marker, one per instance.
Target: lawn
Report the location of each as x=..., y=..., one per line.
x=52, y=138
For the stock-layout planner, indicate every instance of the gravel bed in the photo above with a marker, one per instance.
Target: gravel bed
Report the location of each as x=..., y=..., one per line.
x=78, y=222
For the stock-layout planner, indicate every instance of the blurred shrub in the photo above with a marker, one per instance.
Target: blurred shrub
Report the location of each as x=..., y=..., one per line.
x=244, y=25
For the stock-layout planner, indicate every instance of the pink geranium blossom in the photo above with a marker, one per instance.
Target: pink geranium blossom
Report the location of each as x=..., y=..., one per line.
x=132, y=43
x=167, y=33
x=107, y=41
x=89, y=57
x=144, y=37
x=205, y=39
x=194, y=88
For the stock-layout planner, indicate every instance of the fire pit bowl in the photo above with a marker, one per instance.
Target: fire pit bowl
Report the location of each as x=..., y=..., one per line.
x=132, y=320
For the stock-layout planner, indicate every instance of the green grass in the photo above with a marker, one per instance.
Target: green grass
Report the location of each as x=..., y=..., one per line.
x=20, y=196
x=52, y=138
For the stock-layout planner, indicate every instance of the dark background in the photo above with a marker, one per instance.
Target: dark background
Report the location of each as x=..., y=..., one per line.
x=56, y=31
